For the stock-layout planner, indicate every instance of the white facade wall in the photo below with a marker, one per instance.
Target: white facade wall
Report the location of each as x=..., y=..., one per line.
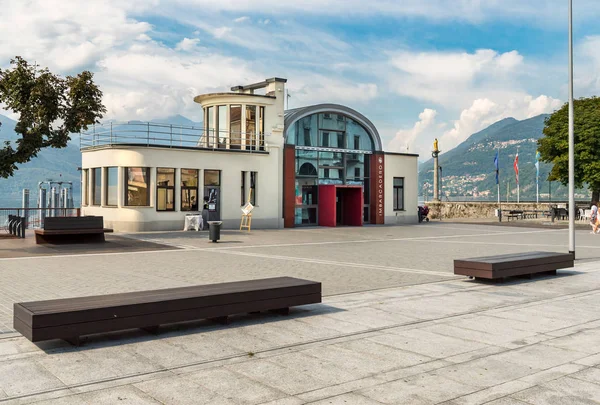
x=405, y=166
x=267, y=213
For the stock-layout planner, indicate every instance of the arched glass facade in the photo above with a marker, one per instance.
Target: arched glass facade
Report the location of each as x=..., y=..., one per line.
x=330, y=149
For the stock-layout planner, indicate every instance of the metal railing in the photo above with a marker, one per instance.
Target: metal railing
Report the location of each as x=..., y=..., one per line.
x=34, y=217
x=170, y=136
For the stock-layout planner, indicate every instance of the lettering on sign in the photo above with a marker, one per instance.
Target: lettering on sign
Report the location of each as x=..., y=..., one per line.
x=380, y=189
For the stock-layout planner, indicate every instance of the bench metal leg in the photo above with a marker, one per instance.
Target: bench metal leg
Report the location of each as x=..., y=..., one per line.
x=223, y=320
x=281, y=311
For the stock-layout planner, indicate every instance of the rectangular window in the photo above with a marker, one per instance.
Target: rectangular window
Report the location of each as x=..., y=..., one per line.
x=325, y=143
x=253, y=187
x=398, y=193
x=222, y=125
x=356, y=142
x=261, y=128
x=243, y=200
x=210, y=128
x=189, y=190
x=235, y=126
x=97, y=186
x=340, y=140
x=112, y=182
x=165, y=189
x=137, y=193
x=307, y=140
x=251, y=127
x=85, y=180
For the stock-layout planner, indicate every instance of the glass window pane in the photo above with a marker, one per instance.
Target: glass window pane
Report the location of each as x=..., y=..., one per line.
x=137, y=193
x=210, y=120
x=335, y=122
x=355, y=166
x=189, y=178
x=235, y=126
x=97, y=186
x=331, y=176
x=222, y=125
x=112, y=181
x=253, y=187
x=165, y=177
x=250, y=127
x=331, y=159
x=212, y=178
x=399, y=181
x=307, y=131
x=85, y=180
x=306, y=163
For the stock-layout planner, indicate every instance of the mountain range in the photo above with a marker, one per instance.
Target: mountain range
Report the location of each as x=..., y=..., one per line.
x=51, y=164
x=468, y=170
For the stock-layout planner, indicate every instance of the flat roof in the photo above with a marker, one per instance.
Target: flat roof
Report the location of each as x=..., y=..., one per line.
x=401, y=154
x=201, y=97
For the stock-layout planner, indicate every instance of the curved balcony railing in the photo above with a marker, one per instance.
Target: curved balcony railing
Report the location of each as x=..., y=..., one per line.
x=169, y=136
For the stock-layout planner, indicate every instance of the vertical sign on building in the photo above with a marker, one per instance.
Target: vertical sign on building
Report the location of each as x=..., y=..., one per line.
x=378, y=187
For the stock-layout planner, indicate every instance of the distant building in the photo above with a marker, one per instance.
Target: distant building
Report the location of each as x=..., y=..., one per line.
x=317, y=165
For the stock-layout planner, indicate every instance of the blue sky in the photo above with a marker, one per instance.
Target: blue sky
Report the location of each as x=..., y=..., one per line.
x=418, y=69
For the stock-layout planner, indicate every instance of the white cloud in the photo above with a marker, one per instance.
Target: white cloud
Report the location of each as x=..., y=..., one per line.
x=64, y=36
x=405, y=139
x=187, y=44
x=454, y=79
x=242, y=19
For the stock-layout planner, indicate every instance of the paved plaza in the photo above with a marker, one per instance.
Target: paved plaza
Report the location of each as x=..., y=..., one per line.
x=395, y=326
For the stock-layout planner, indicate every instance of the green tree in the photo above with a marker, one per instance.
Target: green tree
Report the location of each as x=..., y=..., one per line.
x=49, y=108
x=554, y=145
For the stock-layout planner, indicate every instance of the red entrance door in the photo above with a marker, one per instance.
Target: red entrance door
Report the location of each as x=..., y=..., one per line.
x=340, y=205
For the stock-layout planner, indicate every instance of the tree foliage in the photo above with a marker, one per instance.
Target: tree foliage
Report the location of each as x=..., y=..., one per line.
x=49, y=107
x=554, y=145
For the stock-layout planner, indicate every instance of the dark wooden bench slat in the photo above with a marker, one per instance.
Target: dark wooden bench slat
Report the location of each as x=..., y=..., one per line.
x=511, y=261
x=149, y=320
x=500, y=266
x=512, y=272
x=70, y=318
x=100, y=301
x=72, y=231
x=135, y=309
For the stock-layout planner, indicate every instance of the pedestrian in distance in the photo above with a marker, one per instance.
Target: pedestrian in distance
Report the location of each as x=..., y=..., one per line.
x=594, y=220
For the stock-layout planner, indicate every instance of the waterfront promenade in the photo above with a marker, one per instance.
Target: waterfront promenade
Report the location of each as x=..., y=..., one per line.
x=395, y=326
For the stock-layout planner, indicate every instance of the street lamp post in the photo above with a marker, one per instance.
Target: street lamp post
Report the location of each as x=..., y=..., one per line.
x=571, y=140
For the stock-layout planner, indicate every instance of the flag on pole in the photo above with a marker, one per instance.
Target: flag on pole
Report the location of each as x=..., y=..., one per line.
x=516, y=166
x=496, y=164
x=537, y=164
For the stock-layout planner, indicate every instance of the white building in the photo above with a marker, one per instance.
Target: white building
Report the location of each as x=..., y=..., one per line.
x=317, y=165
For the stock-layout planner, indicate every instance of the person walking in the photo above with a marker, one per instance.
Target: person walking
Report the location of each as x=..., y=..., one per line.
x=594, y=220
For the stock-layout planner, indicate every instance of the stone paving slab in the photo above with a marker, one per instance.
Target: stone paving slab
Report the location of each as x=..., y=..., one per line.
x=449, y=341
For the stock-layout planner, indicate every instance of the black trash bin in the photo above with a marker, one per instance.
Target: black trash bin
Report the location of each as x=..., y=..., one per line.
x=214, y=230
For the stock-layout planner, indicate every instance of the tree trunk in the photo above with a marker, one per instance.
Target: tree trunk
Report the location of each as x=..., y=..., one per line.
x=595, y=195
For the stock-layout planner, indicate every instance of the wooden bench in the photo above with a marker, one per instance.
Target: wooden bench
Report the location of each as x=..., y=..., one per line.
x=519, y=264
x=70, y=318
x=71, y=230
x=514, y=214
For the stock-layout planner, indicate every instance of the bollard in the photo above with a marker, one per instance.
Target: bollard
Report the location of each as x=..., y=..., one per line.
x=499, y=215
x=22, y=225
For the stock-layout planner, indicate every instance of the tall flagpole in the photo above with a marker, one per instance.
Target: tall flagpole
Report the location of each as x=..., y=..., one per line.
x=571, y=139
x=498, y=178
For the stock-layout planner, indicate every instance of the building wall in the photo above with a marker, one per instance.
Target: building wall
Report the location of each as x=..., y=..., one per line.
x=405, y=166
x=267, y=213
